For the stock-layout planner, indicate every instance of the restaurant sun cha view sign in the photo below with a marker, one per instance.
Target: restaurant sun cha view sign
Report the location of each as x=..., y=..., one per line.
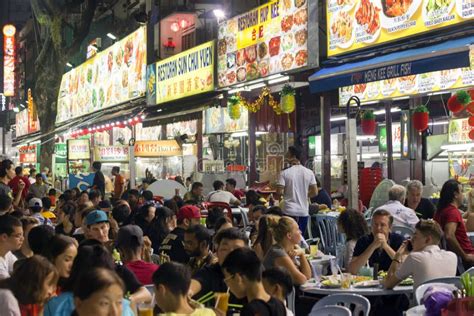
x=358, y=24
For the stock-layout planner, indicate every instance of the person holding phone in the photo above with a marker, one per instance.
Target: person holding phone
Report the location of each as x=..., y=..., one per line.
x=415, y=257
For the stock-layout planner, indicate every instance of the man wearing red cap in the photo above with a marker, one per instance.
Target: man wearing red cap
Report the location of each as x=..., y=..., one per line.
x=173, y=244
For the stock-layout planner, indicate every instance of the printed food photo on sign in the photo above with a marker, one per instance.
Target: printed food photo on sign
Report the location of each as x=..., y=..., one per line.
x=266, y=40
x=437, y=11
x=368, y=21
x=342, y=29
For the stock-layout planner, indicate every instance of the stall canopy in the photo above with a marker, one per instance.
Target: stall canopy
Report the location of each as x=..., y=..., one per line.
x=447, y=55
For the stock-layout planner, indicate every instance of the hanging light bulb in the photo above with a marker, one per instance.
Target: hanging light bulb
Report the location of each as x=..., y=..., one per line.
x=174, y=26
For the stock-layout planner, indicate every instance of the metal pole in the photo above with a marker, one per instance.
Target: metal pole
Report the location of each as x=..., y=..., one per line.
x=132, y=167
x=351, y=151
x=388, y=122
x=326, y=140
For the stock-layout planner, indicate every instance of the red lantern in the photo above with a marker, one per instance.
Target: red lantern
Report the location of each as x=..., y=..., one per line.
x=470, y=121
x=454, y=105
x=471, y=134
x=368, y=126
x=420, y=120
x=471, y=93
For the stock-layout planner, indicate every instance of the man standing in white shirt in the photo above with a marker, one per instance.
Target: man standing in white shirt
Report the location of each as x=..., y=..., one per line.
x=11, y=239
x=402, y=215
x=297, y=184
x=219, y=195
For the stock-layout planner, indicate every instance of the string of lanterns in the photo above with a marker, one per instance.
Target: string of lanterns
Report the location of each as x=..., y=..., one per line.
x=108, y=126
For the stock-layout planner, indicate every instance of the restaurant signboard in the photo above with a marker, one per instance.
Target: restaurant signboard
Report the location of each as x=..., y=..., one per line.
x=9, y=49
x=269, y=39
x=358, y=24
x=113, y=76
x=185, y=74
x=111, y=153
x=458, y=131
x=78, y=149
x=28, y=154
x=157, y=148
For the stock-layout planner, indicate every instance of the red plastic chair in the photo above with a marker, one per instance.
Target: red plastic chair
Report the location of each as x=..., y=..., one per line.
x=210, y=205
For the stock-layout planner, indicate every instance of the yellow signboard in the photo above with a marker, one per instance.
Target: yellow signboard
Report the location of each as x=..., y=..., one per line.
x=458, y=131
x=358, y=24
x=269, y=39
x=78, y=149
x=436, y=81
x=157, y=148
x=188, y=73
x=111, y=153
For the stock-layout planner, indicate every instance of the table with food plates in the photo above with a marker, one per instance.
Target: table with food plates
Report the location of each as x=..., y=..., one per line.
x=364, y=287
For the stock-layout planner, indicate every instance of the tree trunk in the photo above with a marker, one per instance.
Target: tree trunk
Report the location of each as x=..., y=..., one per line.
x=46, y=90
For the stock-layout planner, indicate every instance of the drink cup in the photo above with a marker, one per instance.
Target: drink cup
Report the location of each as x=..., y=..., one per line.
x=313, y=250
x=145, y=309
x=222, y=301
x=346, y=279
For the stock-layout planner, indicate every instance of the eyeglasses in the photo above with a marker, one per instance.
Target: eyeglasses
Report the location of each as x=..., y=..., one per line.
x=228, y=278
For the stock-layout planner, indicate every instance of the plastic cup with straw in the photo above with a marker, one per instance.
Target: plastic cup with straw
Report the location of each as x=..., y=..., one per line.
x=222, y=301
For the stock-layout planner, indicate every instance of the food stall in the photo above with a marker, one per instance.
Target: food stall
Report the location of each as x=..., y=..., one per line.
x=78, y=156
x=398, y=79
x=111, y=156
x=28, y=156
x=163, y=158
x=260, y=54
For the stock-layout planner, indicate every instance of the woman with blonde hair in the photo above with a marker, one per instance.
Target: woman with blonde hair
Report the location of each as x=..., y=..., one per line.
x=286, y=253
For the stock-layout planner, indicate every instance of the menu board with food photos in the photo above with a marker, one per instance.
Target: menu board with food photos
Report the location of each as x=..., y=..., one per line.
x=113, y=76
x=270, y=39
x=358, y=24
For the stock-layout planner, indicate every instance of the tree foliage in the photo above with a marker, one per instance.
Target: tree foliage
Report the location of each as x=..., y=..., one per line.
x=54, y=19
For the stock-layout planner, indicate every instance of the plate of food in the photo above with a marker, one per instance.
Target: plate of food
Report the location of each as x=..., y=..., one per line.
x=287, y=23
x=240, y=57
x=342, y=29
x=300, y=17
x=252, y=71
x=287, y=61
x=301, y=37
x=367, y=16
x=407, y=282
x=435, y=10
x=397, y=12
x=231, y=60
x=300, y=3
x=301, y=58
x=274, y=46
x=367, y=284
x=241, y=74
x=251, y=54
x=263, y=67
x=331, y=284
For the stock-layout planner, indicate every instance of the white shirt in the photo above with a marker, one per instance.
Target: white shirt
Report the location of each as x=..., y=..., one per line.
x=222, y=196
x=296, y=181
x=402, y=215
x=9, y=303
x=6, y=265
x=428, y=264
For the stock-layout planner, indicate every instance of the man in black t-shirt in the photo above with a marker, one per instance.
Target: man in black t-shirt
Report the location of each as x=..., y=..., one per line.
x=99, y=179
x=210, y=277
x=423, y=207
x=378, y=247
x=243, y=275
x=173, y=245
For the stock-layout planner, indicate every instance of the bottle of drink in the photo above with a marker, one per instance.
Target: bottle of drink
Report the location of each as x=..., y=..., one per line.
x=271, y=200
x=376, y=271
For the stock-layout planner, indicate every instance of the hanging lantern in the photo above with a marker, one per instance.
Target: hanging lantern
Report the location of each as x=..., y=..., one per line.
x=471, y=134
x=470, y=121
x=458, y=101
x=233, y=107
x=368, y=123
x=470, y=107
x=420, y=118
x=287, y=100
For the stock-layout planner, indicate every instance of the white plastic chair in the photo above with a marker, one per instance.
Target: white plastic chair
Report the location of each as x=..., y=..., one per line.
x=420, y=291
x=356, y=303
x=290, y=301
x=470, y=271
x=404, y=231
x=456, y=281
x=331, y=311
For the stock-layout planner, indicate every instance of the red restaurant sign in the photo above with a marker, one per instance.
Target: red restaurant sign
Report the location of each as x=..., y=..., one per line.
x=28, y=154
x=9, y=60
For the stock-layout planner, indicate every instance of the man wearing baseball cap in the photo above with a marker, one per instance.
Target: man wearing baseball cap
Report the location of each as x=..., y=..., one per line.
x=36, y=206
x=98, y=226
x=129, y=242
x=173, y=244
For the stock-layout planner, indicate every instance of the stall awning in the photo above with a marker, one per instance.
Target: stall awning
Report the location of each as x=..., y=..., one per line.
x=447, y=55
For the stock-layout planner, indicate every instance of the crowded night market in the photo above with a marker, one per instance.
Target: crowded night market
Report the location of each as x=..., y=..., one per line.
x=224, y=157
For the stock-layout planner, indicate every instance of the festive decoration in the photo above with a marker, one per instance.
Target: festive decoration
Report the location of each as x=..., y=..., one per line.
x=471, y=134
x=287, y=101
x=257, y=104
x=458, y=101
x=106, y=127
x=368, y=124
x=420, y=118
x=470, y=107
x=470, y=121
x=233, y=107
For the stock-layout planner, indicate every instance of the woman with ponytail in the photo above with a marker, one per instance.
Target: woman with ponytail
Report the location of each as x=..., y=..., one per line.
x=286, y=253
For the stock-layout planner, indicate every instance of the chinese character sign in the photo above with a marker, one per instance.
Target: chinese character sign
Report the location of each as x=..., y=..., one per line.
x=78, y=149
x=111, y=153
x=9, y=60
